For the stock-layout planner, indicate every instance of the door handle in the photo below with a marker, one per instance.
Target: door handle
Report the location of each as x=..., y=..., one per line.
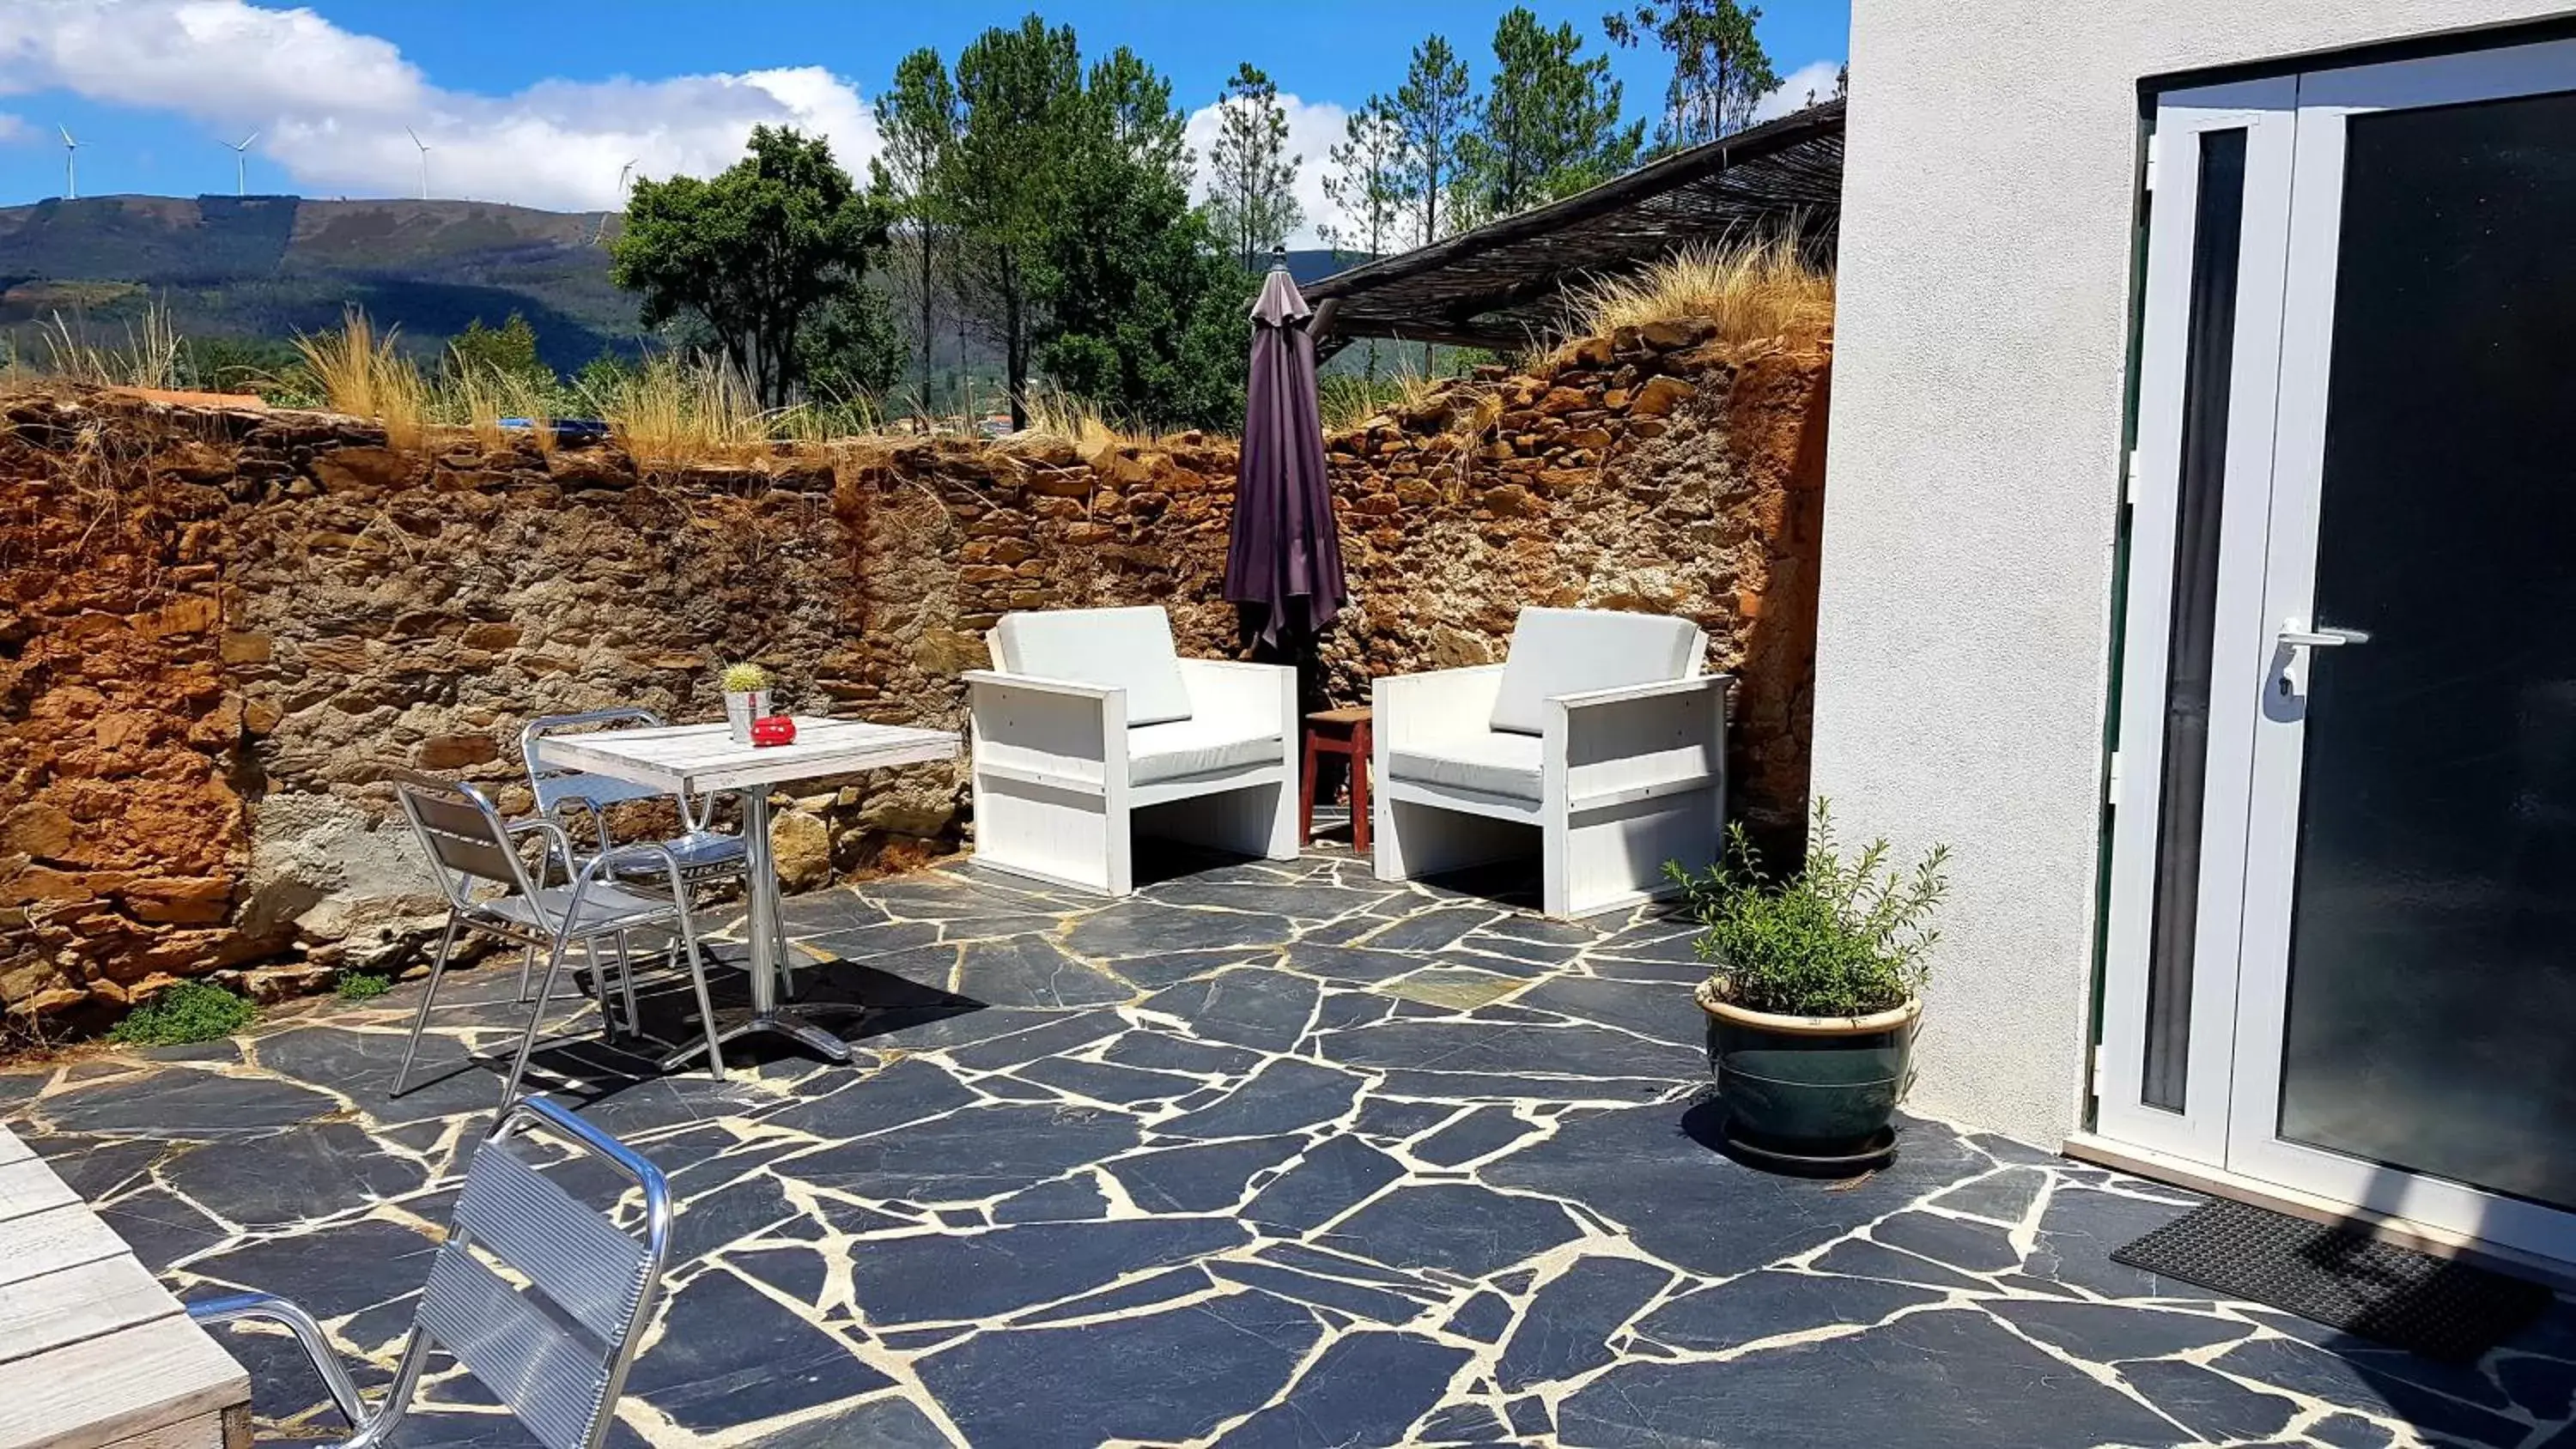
x=2294, y=635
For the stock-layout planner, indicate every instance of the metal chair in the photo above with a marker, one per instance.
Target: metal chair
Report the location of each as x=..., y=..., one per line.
x=554, y=1353
x=474, y=851
x=706, y=856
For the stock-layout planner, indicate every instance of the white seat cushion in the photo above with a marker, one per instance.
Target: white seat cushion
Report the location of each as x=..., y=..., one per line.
x=1491, y=763
x=1181, y=748
x=1572, y=651
x=1128, y=649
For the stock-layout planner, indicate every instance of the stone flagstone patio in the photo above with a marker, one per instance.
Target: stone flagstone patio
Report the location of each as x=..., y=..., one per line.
x=1271, y=1154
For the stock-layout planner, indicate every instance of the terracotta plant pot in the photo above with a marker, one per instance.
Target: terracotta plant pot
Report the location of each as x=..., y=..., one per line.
x=1820, y=1087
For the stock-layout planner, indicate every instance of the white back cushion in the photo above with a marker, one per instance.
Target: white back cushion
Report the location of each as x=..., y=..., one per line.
x=1569, y=651
x=1129, y=649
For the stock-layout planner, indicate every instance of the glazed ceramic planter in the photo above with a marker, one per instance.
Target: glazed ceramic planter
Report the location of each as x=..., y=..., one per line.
x=1812, y=1086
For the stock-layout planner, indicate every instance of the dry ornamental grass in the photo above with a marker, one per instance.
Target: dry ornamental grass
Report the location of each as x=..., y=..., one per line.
x=1754, y=290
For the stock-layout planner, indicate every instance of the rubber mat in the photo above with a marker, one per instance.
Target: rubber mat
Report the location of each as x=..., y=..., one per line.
x=2436, y=1307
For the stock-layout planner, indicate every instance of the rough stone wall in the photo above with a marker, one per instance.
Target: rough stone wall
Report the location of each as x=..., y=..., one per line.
x=222, y=634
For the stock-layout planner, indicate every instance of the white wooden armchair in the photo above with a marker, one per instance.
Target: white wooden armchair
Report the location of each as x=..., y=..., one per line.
x=1091, y=716
x=1599, y=731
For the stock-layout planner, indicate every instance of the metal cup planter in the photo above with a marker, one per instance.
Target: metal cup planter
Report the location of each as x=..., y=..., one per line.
x=1809, y=1094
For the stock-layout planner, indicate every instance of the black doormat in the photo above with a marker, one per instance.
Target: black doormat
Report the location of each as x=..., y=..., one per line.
x=2344, y=1279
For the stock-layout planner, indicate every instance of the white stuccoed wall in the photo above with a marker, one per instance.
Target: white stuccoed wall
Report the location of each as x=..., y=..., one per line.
x=1982, y=327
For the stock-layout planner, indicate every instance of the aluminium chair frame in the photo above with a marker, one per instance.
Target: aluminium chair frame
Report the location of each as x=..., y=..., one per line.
x=460, y=860
x=562, y=793
x=637, y=1293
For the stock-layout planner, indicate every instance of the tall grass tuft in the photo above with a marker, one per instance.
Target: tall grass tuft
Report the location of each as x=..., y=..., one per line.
x=1754, y=289
x=1057, y=416
x=1347, y=400
x=360, y=373
x=533, y=398
x=149, y=358
x=671, y=411
x=472, y=396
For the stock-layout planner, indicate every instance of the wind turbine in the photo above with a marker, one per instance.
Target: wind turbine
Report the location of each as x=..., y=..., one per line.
x=424, y=160
x=241, y=163
x=601, y=235
x=71, y=172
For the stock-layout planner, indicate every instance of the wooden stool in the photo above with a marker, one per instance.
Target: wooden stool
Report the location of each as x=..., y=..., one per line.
x=1343, y=732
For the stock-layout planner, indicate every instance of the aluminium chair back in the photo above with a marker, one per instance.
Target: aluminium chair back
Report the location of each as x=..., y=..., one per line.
x=465, y=840
x=553, y=1339
x=555, y=1352
x=557, y=785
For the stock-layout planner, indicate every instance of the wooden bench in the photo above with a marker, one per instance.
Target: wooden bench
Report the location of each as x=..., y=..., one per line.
x=94, y=1352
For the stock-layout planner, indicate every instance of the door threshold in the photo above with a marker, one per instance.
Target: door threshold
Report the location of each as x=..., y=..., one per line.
x=2386, y=1227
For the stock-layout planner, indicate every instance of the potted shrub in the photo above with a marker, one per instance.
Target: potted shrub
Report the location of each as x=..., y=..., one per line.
x=746, y=693
x=1816, y=992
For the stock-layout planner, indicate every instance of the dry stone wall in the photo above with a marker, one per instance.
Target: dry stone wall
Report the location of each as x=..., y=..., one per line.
x=223, y=633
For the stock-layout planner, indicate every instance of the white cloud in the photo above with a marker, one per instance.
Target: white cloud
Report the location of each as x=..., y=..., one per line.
x=331, y=105
x=14, y=130
x=1816, y=77
x=1314, y=128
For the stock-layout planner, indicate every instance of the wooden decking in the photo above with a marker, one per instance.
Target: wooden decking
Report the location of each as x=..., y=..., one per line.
x=94, y=1352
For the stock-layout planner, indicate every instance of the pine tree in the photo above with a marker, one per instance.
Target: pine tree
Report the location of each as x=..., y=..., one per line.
x=1549, y=125
x=917, y=125
x=1019, y=94
x=1720, y=70
x=1255, y=175
x=1367, y=181
x=1432, y=110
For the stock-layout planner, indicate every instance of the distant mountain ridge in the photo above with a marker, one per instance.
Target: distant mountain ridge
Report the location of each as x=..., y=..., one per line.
x=272, y=266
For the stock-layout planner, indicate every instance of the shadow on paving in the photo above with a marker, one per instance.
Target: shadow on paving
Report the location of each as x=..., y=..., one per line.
x=1271, y=1153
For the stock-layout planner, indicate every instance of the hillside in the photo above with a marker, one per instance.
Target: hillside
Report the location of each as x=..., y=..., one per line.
x=272, y=266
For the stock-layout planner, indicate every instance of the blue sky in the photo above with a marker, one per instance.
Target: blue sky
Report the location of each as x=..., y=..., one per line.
x=542, y=101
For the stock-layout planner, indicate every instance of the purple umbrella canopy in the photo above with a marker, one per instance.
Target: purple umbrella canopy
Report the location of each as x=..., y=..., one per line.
x=1285, y=552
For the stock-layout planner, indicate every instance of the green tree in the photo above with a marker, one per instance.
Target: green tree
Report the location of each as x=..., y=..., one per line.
x=753, y=254
x=509, y=349
x=1143, y=301
x=1367, y=180
x=1020, y=100
x=851, y=347
x=1432, y=110
x=917, y=124
x=1720, y=70
x=1254, y=200
x=1549, y=125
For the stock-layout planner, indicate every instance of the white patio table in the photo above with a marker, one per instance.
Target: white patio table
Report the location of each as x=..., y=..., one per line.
x=703, y=758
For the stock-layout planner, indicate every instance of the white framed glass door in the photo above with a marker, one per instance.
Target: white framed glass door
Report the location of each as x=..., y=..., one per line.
x=2208, y=361
x=2369, y=879
x=2406, y=1029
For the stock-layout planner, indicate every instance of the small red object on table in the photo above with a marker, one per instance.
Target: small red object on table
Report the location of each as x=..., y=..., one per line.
x=1343, y=732
x=773, y=729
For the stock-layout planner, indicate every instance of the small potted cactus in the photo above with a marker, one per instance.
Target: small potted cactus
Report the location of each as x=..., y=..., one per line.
x=746, y=693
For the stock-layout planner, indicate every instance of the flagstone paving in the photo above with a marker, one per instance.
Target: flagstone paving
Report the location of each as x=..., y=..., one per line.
x=1271, y=1154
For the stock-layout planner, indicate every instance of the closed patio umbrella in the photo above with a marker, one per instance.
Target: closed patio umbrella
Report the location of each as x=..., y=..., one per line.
x=1284, y=558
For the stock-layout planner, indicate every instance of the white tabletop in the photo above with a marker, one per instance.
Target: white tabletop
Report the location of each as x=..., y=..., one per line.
x=697, y=758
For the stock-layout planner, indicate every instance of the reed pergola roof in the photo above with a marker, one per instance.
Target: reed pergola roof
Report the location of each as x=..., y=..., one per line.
x=1501, y=285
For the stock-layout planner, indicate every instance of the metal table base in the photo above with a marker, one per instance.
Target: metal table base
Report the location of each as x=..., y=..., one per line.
x=768, y=947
